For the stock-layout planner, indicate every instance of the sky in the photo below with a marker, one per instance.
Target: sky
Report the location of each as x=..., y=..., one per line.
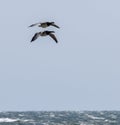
x=81, y=72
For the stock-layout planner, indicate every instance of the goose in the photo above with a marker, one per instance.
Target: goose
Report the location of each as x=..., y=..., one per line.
x=45, y=24
x=44, y=33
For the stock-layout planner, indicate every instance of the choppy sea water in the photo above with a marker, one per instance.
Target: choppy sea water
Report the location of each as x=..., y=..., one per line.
x=60, y=118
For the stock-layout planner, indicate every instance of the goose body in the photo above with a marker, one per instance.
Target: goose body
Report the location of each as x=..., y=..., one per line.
x=45, y=24
x=44, y=33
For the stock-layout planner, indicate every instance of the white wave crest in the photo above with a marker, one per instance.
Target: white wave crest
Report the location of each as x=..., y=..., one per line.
x=8, y=120
x=96, y=118
x=15, y=120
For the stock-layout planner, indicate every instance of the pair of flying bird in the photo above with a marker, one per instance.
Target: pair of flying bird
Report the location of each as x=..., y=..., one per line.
x=46, y=32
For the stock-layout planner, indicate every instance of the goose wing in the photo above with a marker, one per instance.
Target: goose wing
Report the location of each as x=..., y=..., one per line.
x=53, y=37
x=55, y=25
x=34, y=24
x=35, y=37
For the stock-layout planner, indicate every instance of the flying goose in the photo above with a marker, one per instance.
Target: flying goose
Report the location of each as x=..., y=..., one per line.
x=45, y=24
x=44, y=33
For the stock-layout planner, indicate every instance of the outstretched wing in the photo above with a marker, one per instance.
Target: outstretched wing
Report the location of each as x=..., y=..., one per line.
x=34, y=24
x=53, y=37
x=55, y=25
x=35, y=37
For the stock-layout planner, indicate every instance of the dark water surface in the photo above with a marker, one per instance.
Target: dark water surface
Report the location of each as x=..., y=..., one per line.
x=60, y=118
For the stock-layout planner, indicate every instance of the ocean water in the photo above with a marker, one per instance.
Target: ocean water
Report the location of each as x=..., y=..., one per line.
x=60, y=118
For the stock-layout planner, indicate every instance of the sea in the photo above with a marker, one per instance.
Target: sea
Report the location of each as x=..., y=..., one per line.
x=60, y=118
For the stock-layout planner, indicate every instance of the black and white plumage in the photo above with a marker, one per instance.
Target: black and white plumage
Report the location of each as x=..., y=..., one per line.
x=45, y=33
x=45, y=24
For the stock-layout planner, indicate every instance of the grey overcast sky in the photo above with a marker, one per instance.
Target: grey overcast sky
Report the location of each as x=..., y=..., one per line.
x=81, y=72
